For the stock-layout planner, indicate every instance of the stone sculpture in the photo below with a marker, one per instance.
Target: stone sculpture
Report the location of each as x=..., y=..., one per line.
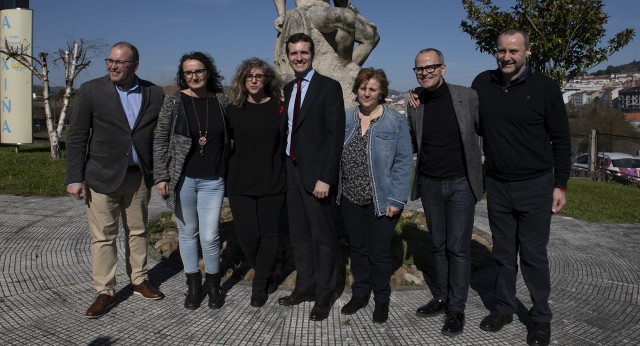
x=343, y=39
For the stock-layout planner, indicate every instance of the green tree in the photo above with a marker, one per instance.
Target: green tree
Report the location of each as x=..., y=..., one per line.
x=565, y=35
x=616, y=133
x=633, y=66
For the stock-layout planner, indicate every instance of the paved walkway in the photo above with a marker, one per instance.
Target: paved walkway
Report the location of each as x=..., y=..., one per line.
x=45, y=288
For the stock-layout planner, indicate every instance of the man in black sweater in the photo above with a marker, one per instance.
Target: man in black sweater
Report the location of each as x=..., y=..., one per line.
x=528, y=152
x=448, y=179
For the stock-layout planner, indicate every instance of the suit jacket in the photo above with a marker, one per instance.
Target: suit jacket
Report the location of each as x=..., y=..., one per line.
x=100, y=138
x=465, y=105
x=319, y=131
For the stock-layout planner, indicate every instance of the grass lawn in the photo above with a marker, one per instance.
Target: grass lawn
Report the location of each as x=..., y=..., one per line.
x=31, y=171
x=599, y=201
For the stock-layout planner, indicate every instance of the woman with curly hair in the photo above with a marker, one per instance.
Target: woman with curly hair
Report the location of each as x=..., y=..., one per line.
x=256, y=180
x=190, y=148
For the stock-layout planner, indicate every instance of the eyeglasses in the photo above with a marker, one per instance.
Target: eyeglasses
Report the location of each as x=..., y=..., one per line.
x=199, y=73
x=258, y=77
x=428, y=68
x=116, y=62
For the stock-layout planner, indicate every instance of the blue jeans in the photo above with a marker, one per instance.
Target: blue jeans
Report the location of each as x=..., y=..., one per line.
x=198, y=206
x=449, y=207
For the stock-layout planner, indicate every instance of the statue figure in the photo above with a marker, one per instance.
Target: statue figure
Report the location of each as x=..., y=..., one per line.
x=335, y=31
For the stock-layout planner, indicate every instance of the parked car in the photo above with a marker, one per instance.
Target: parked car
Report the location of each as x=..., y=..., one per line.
x=615, y=165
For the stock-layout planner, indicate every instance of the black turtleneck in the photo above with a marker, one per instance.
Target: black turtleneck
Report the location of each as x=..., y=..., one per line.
x=441, y=155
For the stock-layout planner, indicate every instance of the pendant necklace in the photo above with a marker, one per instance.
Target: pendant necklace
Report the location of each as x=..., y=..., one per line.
x=202, y=140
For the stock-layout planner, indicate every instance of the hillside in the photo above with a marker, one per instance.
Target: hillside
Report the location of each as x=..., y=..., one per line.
x=631, y=67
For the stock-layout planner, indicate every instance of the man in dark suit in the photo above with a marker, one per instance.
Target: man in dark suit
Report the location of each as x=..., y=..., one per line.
x=109, y=146
x=313, y=135
x=448, y=179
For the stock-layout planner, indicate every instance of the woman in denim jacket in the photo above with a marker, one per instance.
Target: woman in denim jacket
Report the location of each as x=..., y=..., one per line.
x=375, y=174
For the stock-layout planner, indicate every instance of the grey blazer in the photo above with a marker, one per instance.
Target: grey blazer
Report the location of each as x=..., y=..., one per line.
x=100, y=138
x=170, y=149
x=465, y=105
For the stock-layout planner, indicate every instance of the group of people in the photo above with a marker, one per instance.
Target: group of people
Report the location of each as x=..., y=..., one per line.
x=520, y=114
x=267, y=144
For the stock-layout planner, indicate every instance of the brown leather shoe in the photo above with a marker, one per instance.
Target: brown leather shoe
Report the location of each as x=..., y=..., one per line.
x=100, y=306
x=296, y=298
x=147, y=291
x=320, y=311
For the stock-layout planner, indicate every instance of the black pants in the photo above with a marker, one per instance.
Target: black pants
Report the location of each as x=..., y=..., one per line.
x=520, y=221
x=256, y=222
x=370, y=242
x=313, y=237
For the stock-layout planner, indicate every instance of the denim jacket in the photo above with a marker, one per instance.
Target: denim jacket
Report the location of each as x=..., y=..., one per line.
x=389, y=158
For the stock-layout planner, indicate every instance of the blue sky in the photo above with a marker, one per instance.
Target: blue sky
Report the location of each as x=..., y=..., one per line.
x=232, y=30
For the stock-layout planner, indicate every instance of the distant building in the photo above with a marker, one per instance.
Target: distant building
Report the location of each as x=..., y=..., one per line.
x=576, y=99
x=629, y=99
x=590, y=83
x=609, y=96
x=582, y=98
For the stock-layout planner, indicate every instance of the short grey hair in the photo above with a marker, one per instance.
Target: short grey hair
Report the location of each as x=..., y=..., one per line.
x=438, y=53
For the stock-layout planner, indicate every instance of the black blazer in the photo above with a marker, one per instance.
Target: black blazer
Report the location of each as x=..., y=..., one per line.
x=99, y=137
x=319, y=131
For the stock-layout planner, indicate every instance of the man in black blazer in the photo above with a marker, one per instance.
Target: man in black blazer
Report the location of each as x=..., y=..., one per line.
x=109, y=146
x=313, y=135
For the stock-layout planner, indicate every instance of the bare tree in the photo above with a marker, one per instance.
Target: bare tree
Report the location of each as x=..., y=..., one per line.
x=74, y=60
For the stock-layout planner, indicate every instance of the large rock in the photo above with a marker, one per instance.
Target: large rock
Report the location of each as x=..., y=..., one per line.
x=412, y=279
x=166, y=247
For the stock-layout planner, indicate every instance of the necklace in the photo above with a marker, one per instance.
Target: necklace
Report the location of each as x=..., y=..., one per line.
x=202, y=140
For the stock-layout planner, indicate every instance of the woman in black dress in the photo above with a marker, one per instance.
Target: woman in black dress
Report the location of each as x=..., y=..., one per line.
x=256, y=178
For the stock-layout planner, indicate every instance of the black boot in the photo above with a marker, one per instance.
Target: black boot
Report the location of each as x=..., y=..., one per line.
x=258, y=297
x=216, y=297
x=381, y=312
x=194, y=284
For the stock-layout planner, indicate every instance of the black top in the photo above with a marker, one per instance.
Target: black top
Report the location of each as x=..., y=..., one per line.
x=524, y=126
x=211, y=161
x=356, y=182
x=255, y=166
x=441, y=155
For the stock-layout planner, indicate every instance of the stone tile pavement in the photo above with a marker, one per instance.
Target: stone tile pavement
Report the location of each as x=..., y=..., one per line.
x=45, y=287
